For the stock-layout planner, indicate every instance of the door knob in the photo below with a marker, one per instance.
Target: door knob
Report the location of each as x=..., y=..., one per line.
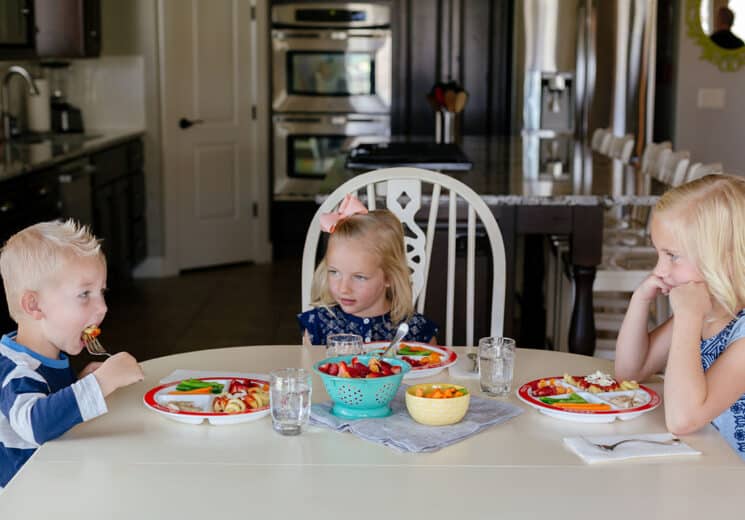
x=184, y=123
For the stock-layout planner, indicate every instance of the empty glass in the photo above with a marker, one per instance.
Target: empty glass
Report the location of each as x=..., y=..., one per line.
x=289, y=398
x=344, y=344
x=496, y=365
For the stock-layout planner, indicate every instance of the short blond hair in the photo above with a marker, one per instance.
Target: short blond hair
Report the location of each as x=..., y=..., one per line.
x=383, y=234
x=707, y=216
x=37, y=253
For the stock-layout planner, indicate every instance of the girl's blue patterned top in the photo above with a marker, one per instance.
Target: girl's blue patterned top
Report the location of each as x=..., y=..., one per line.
x=322, y=321
x=731, y=423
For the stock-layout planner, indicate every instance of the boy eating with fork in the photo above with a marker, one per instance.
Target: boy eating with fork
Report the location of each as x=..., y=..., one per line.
x=54, y=274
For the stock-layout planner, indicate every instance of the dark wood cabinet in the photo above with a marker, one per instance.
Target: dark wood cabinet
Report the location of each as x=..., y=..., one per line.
x=119, y=208
x=68, y=28
x=16, y=29
x=23, y=202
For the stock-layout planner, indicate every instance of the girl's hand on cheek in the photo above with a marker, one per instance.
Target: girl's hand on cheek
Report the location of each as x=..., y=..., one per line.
x=692, y=299
x=651, y=287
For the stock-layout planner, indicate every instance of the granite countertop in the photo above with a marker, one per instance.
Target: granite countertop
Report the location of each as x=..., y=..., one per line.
x=18, y=157
x=497, y=174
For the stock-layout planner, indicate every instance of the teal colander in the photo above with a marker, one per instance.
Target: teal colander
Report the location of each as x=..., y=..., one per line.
x=357, y=398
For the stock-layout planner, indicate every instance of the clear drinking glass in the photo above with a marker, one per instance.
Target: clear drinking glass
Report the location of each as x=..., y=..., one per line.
x=344, y=344
x=496, y=365
x=289, y=399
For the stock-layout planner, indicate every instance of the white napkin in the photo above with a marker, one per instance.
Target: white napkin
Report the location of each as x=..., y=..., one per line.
x=179, y=374
x=462, y=368
x=630, y=450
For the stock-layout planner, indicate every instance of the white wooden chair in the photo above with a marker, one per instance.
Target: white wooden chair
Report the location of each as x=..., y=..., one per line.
x=598, y=137
x=621, y=148
x=404, y=196
x=673, y=167
x=698, y=170
x=651, y=159
x=606, y=143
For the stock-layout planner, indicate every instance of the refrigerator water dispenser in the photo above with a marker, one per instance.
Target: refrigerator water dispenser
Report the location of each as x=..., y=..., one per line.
x=557, y=111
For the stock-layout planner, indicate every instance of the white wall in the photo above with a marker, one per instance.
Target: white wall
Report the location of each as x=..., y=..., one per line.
x=712, y=135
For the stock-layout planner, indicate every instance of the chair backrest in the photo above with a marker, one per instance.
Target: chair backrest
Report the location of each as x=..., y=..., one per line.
x=650, y=157
x=404, y=196
x=597, y=138
x=622, y=147
x=606, y=143
x=673, y=166
x=698, y=170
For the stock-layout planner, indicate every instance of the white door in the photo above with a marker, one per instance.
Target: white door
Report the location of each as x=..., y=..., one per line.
x=208, y=91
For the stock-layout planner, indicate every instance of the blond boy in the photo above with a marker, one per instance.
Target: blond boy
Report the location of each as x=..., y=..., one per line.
x=54, y=274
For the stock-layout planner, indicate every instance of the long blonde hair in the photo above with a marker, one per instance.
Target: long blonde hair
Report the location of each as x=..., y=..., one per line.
x=383, y=234
x=35, y=254
x=707, y=216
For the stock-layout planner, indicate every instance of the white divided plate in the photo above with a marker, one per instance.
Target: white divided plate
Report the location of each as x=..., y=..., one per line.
x=644, y=400
x=448, y=357
x=157, y=399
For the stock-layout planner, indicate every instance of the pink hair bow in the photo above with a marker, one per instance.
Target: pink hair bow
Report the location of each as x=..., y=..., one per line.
x=348, y=207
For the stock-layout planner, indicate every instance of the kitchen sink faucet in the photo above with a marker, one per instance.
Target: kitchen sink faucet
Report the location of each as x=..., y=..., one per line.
x=5, y=99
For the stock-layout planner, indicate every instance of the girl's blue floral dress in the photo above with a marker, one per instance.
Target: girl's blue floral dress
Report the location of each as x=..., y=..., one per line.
x=731, y=423
x=322, y=321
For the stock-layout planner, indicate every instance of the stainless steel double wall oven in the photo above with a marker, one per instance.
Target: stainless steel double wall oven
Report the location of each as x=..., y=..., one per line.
x=331, y=87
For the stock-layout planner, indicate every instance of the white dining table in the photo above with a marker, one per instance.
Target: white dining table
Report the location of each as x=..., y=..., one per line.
x=136, y=464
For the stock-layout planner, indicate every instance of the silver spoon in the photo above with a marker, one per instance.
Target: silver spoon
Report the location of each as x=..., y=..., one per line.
x=402, y=331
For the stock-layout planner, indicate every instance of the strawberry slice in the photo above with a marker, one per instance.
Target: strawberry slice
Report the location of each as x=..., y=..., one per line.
x=353, y=372
x=395, y=369
x=343, y=369
x=361, y=369
x=374, y=365
x=333, y=369
x=324, y=368
x=372, y=375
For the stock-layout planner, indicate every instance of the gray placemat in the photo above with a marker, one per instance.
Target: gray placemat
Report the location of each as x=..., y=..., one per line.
x=399, y=431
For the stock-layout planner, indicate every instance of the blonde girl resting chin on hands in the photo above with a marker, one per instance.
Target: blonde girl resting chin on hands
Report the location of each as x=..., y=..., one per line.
x=698, y=230
x=363, y=284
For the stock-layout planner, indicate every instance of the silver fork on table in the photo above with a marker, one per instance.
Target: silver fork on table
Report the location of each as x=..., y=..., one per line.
x=611, y=447
x=94, y=347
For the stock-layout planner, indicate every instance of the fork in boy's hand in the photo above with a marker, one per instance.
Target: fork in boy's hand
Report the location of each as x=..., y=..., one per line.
x=92, y=345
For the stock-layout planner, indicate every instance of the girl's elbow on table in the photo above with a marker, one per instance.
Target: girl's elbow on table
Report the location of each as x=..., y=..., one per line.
x=684, y=423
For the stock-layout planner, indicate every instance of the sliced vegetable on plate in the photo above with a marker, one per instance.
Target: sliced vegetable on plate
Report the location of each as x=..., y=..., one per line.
x=198, y=399
x=596, y=397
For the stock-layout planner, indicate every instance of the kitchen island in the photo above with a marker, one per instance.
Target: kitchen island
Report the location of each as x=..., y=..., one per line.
x=527, y=209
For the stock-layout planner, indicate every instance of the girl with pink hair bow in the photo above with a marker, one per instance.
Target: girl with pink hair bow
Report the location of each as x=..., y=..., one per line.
x=363, y=284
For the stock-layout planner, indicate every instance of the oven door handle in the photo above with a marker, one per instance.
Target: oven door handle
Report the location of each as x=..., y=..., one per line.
x=327, y=35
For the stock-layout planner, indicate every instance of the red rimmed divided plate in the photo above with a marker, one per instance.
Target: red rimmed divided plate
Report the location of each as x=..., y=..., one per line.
x=197, y=408
x=624, y=404
x=418, y=356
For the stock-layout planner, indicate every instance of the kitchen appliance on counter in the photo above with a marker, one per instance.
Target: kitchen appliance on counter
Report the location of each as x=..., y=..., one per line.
x=430, y=156
x=331, y=90
x=66, y=118
x=581, y=65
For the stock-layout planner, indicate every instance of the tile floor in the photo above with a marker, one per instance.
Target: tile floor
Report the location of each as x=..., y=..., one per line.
x=212, y=308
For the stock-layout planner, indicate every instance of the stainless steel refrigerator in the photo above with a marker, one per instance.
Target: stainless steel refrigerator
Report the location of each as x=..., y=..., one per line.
x=581, y=65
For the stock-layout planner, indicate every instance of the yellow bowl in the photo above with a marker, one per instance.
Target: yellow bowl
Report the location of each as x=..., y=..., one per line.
x=436, y=412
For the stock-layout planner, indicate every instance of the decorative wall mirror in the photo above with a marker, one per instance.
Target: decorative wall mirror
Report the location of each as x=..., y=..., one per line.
x=718, y=27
